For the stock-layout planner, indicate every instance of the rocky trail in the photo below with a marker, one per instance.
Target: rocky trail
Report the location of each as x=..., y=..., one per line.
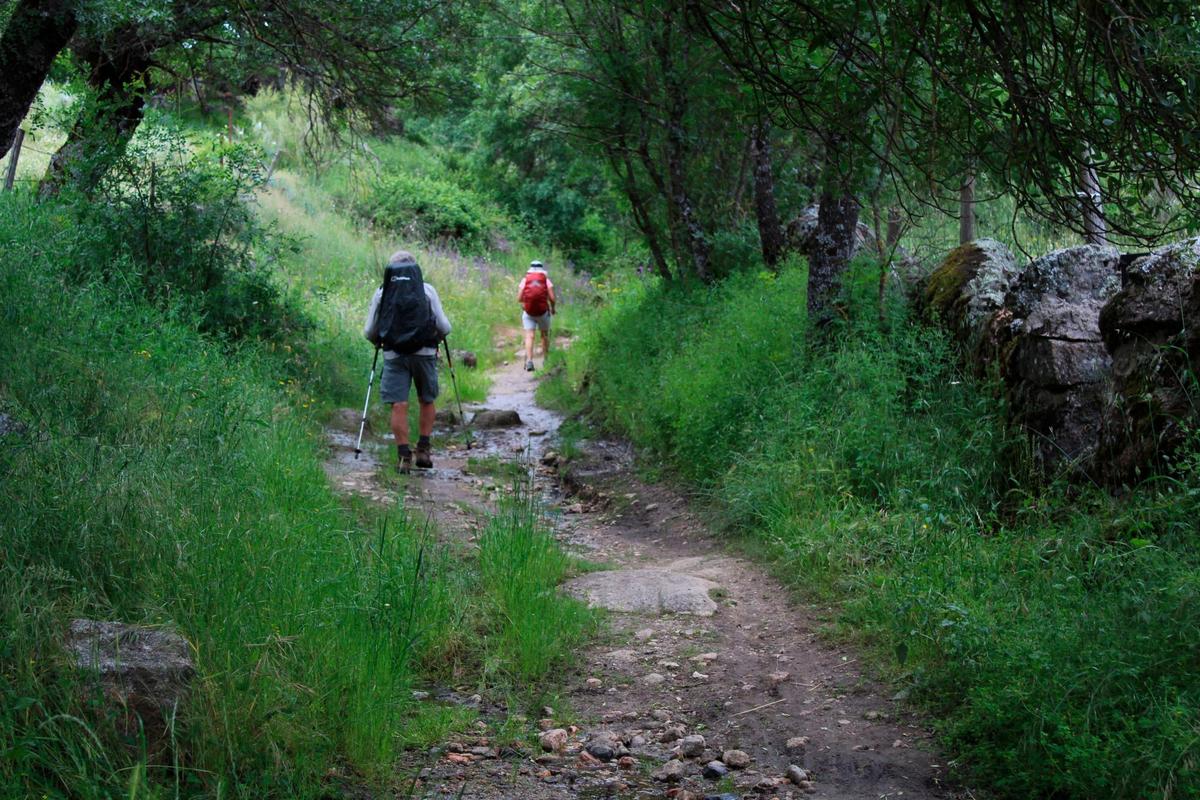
x=711, y=682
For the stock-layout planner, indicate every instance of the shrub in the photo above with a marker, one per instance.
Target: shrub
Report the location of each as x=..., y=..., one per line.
x=176, y=223
x=427, y=208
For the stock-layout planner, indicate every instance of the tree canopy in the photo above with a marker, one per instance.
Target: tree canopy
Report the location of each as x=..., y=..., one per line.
x=706, y=125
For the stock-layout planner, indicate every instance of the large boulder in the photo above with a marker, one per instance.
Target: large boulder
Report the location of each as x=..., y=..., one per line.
x=143, y=672
x=1151, y=328
x=1056, y=368
x=967, y=291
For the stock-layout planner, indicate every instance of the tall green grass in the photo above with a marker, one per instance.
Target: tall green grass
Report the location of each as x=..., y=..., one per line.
x=167, y=477
x=165, y=480
x=521, y=566
x=1053, y=631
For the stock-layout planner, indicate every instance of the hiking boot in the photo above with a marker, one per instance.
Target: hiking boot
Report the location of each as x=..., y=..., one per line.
x=424, y=459
x=406, y=462
x=529, y=366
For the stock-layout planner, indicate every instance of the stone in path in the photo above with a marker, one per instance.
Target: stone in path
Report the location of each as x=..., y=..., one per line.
x=646, y=591
x=348, y=420
x=502, y=418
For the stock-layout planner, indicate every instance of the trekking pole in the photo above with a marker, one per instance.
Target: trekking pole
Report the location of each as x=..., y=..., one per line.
x=457, y=396
x=366, y=403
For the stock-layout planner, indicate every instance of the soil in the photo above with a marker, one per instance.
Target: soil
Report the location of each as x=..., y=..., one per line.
x=755, y=675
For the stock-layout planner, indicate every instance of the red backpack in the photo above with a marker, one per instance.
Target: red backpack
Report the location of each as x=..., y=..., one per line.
x=535, y=296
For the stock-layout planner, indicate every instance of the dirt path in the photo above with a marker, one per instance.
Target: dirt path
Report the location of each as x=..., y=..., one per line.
x=706, y=653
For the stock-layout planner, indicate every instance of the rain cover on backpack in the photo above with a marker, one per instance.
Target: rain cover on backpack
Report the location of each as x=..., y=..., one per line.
x=535, y=296
x=405, y=321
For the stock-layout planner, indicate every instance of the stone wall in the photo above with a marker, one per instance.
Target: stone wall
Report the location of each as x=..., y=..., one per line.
x=1151, y=328
x=965, y=293
x=1056, y=368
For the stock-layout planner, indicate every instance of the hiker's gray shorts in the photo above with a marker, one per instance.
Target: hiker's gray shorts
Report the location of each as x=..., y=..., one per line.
x=541, y=323
x=401, y=372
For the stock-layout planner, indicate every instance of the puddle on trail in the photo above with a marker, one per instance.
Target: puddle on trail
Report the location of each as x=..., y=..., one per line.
x=454, y=480
x=355, y=475
x=513, y=390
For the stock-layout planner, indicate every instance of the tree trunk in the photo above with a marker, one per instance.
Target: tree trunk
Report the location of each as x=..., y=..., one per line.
x=894, y=228
x=770, y=232
x=622, y=164
x=833, y=243
x=1095, y=228
x=966, y=210
x=691, y=234
x=34, y=36
x=103, y=130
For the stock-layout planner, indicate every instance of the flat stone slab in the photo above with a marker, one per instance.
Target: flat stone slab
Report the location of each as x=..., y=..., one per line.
x=156, y=662
x=646, y=591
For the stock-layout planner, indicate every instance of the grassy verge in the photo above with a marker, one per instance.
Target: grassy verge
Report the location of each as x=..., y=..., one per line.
x=164, y=476
x=1052, y=633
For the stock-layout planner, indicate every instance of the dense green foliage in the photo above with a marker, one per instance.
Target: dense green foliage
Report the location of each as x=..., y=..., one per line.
x=426, y=208
x=1053, y=632
x=174, y=325
x=168, y=472
x=175, y=222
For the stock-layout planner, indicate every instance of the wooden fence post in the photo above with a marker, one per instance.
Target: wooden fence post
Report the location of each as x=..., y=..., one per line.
x=14, y=155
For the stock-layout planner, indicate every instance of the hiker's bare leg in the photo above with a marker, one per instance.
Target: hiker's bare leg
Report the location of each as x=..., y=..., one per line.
x=400, y=422
x=545, y=344
x=529, y=345
x=425, y=418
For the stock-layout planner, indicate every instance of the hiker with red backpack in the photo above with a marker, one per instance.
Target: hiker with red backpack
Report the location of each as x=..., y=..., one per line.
x=407, y=322
x=536, y=296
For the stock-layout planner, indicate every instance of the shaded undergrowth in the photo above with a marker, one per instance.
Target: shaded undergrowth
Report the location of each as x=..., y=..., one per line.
x=1051, y=630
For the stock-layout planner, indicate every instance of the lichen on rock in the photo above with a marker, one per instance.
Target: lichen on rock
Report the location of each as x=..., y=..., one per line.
x=967, y=290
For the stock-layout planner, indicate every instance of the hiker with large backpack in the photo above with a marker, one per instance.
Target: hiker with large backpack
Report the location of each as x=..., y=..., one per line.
x=536, y=296
x=407, y=322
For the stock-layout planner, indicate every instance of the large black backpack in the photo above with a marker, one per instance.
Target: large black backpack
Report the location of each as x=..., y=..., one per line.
x=405, y=321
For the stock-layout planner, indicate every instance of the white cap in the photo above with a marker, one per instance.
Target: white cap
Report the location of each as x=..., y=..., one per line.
x=537, y=264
